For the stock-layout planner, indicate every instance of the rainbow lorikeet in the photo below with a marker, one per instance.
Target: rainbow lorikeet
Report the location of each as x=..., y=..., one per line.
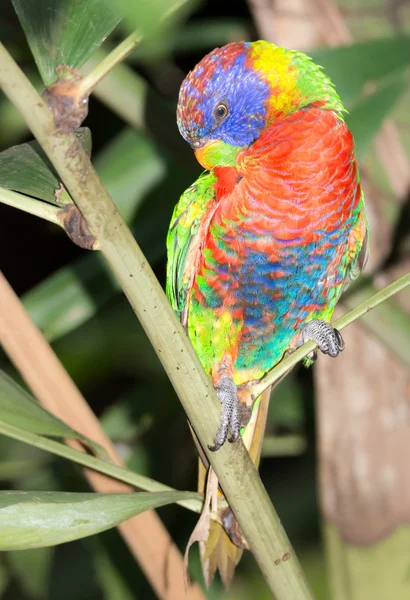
x=262, y=245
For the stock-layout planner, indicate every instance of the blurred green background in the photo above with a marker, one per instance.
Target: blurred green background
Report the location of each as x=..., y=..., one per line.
x=71, y=295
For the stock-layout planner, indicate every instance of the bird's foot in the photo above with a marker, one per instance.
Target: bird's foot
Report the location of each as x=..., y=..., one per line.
x=328, y=339
x=228, y=395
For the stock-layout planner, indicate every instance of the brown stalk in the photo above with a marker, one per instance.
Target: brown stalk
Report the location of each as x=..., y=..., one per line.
x=145, y=535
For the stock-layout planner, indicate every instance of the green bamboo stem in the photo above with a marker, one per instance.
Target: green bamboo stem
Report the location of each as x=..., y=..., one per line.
x=30, y=205
x=290, y=361
x=86, y=460
x=238, y=477
x=90, y=81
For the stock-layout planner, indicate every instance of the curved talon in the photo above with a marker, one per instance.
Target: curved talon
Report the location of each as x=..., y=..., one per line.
x=329, y=340
x=234, y=437
x=340, y=340
x=215, y=447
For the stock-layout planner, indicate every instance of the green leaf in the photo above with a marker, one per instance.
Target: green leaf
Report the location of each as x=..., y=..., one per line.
x=133, y=478
x=129, y=167
x=351, y=67
x=21, y=410
x=64, y=32
x=367, y=116
x=150, y=18
x=40, y=519
x=26, y=169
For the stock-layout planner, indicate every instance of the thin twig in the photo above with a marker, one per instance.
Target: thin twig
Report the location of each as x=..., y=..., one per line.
x=30, y=205
x=90, y=81
x=91, y=462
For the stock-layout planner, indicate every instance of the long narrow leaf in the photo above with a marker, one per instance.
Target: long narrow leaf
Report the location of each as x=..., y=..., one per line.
x=39, y=519
x=92, y=462
x=21, y=410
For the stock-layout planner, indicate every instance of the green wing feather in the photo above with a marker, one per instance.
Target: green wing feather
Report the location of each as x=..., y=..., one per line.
x=358, y=246
x=188, y=228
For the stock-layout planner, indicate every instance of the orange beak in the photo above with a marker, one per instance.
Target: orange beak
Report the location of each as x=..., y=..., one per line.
x=206, y=155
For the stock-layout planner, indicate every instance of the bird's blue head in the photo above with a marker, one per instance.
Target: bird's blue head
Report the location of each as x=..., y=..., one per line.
x=222, y=99
x=237, y=91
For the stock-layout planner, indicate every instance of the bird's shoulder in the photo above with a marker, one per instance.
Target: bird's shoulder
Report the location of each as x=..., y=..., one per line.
x=184, y=242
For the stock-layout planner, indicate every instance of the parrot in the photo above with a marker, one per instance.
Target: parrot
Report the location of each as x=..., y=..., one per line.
x=261, y=246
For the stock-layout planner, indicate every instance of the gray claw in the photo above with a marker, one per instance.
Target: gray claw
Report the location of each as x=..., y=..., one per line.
x=228, y=396
x=329, y=340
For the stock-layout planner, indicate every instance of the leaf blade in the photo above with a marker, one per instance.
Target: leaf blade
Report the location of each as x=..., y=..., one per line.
x=41, y=519
x=64, y=32
x=20, y=409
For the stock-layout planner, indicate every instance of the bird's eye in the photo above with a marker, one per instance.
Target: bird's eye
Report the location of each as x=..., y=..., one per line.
x=221, y=111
